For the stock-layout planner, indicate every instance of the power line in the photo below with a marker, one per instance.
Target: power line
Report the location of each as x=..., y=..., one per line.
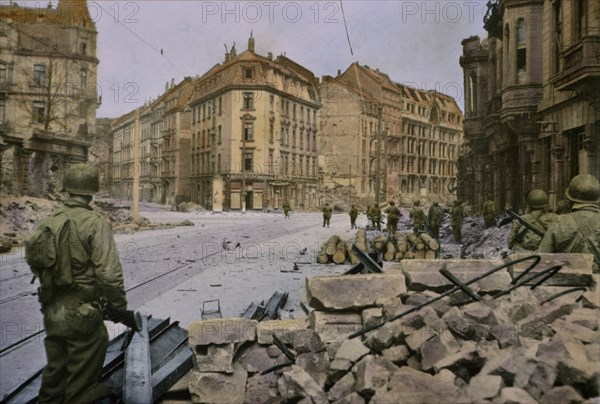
x=346, y=28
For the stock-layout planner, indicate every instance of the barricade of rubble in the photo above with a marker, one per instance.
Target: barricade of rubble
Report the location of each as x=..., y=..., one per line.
x=401, y=245
x=518, y=347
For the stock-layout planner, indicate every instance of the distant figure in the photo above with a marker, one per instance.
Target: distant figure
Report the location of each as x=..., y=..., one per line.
x=353, y=215
x=286, y=209
x=418, y=217
x=393, y=214
x=489, y=213
x=326, y=214
x=458, y=215
x=434, y=219
x=578, y=231
x=564, y=206
x=369, y=214
x=376, y=217
x=540, y=216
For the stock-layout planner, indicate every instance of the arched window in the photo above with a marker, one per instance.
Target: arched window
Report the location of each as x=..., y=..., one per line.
x=521, y=51
x=520, y=32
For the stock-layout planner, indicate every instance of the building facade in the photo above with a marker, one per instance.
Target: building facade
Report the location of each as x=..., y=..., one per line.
x=532, y=100
x=164, y=148
x=254, y=134
x=416, y=155
x=48, y=93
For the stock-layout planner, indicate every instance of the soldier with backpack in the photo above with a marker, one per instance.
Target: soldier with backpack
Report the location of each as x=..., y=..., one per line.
x=81, y=278
x=523, y=239
x=579, y=230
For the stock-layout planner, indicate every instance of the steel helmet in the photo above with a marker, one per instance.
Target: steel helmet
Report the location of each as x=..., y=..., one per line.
x=537, y=199
x=583, y=188
x=81, y=179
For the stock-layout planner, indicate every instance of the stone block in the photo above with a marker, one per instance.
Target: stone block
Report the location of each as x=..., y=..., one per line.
x=316, y=365
x=465, y=327
x=535, y=325
x=255, y=358
x=418, y=337
x=480, y=313
x=351, y=350
x=371, y=373
x=590, y=300
x=261, y=388
x=505, y=364
x=296, y=383
x=562, y=394
x=514, y=395
x=304, y=341
x=383, y=337
x=436, y=349
x=506, y=335
x=214, y=358
x=577, y=331
x=334, y=327
x=352, y=398
x=222, y=331
x=576, y=268
x=372, y=316
x=219, y=388
x=398, y=354
x=584, y=317
x=418, y=298
x=535, y=377
x=284, y=329
x=412, y=386
x=465, y=363
x=352, y=292
x=338, y=369
x=342, y=387
x=484, y=387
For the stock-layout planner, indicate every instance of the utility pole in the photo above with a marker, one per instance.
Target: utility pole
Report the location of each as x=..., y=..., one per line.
x=378, y=161
x=243, y=201
x=135, y=191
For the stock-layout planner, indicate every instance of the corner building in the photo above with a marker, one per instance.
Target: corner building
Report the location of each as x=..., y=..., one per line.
x=254, y=134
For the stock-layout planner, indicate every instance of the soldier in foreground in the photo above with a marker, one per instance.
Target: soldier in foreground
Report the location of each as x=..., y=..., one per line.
x=326, y=214
x=489, y=214
x=434, y=220
x=523, y=239
x=353, y=215
x=563, y=206
x=578, y=231
x=393, y=214
x=86, y=280
x=418, y=217
x=458, y=214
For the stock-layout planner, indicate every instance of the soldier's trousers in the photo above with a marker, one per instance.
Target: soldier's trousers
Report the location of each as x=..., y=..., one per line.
x=326, y=220
x=456, y=231
x=74, y=368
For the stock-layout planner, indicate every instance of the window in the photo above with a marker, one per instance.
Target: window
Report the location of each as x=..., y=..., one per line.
x=271, y=102
x=219, y=134
x=84, y=48
x=520, y=32
x=248, y=73
x=248, y=100
x=249, y=132
x=220, y=106
x=557, y=35
x=580, y=18
x=38, y=111
x=271, y=161
x=248, y=161
x=271, y=132
x=2, y=111
x=3, y=75
x=39, y=75
x=83, y=78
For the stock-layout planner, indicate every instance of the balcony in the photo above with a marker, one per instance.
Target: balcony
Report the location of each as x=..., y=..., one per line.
x=492, y=21
x=519, y=99
x=492, y=111
x=581, y=66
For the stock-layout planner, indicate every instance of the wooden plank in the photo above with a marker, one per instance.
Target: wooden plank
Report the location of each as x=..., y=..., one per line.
x=138, y=370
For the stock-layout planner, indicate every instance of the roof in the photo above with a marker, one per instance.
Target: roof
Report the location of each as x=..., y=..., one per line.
x=70, y=12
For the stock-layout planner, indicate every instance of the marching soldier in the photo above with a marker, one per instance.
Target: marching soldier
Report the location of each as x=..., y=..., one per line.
x=489, y=213
x=393, y=214
x=434, y=220
x=353, y=215
x=578, y=231
x=418, y=217
x=73, y=305
x=458, y=214
x=286, y=209
x=376, y=217
x=523, y=239
x=326, y=214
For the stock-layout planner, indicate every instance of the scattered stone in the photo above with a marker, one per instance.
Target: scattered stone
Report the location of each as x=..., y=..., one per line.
x=334, y=327
x=535, y=377
x=261, y=388
x=514, y=395
x=536, y=325
x=437, y=348
x=351, y=350
x=273, y=351
x=296, y=383
x=219, y=387
x=353, y=398
x=464, y=363
x=342, y=388
x=563, y=395
x=465, y=328
x=584, y=334
x=222, y=331
x=590, y=300
x=383, y=337
x=371, y=373
x=412, y=386
x=419, y=337
x=284, y=329
x=480, y=313
x=372, y=316
x=484, y=387
x=506, y=365
x=214, y=358
x=506, y=335
x=397, y=354
x=585, y=317
x=255, y=358
x=576, y=269
x=306, y=341
x=316, y=365
x=352, y=292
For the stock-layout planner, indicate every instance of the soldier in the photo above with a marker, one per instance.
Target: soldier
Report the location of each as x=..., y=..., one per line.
x=563, y=206
x=578, y=231
x=418, y=217
x=353, y=214
x=434, y=220
x=522, y=239
x=76, y=338
x=376, y=217
x=458, y=214
x=286, y=209
x=326, y=214
x=489, y=213
x=393, y=214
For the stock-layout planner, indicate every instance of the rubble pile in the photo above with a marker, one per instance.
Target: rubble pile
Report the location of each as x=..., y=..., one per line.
x=514, y=348
x=19, y=215
x=479, y=242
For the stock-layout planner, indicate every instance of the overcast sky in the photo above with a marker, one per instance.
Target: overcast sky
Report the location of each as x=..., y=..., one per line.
x=414, y=42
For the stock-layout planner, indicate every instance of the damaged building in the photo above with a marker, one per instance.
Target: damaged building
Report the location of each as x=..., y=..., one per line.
x=532, y=100
x=421, y=133
x=48, y=93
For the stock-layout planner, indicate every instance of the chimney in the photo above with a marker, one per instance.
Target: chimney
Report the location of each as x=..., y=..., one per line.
x=233, y=52
x=251, y=43
x=167, y=85
x=172, y=82
x=270, y=55
x=339, y=72
x=227, y=57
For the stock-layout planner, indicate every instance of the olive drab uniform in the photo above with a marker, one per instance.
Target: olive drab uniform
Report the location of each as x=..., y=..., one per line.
x=522, y=239
x=434, y=220
x=458, y=214
x=393, y=214
x=418, y=217
x=76, y=338
x=286, y=210
x=326, y=215
x=489, y=213
x=376, y=217
x=353, y=215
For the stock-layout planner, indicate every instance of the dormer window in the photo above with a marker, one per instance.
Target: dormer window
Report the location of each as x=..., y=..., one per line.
x=248, y=73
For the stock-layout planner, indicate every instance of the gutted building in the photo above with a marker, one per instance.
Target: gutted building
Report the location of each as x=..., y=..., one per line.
x=48, y=93
x=532, y=100
x=381, y=135
x=254, y=134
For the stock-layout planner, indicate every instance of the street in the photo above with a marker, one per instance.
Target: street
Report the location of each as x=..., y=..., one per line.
x=170, y=272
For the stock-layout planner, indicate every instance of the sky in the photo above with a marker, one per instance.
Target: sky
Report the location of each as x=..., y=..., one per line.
x=144, y=44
